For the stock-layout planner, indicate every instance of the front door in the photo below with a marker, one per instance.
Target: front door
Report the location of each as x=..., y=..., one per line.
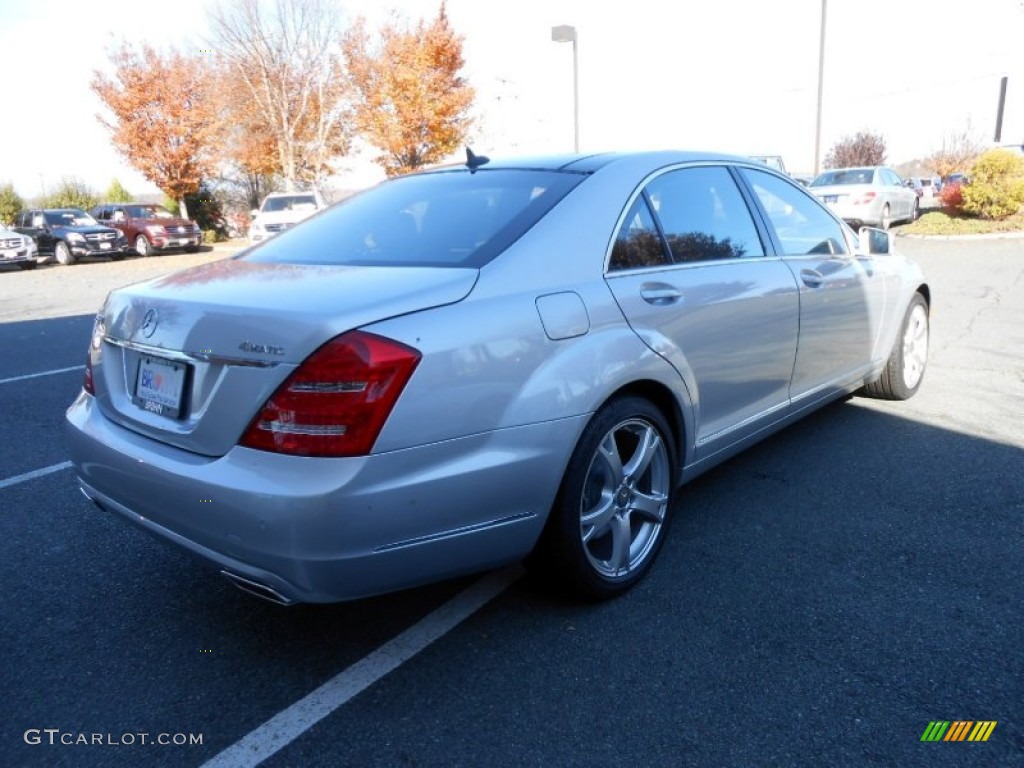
x=840, y=293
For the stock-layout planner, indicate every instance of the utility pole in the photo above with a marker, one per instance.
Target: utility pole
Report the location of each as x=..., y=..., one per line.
x=821, y=85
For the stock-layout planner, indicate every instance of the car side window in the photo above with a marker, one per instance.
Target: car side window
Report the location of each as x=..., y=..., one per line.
x=801, y=224
x=703, y=215
x=638, y=243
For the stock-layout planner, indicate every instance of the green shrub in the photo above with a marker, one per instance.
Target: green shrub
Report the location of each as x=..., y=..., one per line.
x=72, y=193
x=10, y=203
x=212, y=236
x=997, y=185
x=116, y=193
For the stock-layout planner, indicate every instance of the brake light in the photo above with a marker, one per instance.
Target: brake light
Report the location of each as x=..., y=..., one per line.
x=99, y=330
x=864, y=199
x=336, y=402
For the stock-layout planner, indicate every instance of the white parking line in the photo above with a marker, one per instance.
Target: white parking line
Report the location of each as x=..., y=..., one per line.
x=286, y=726
x=44, y=373
x=34, y=474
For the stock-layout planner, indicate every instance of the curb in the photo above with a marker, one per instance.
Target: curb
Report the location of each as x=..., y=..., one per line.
x=985, y=236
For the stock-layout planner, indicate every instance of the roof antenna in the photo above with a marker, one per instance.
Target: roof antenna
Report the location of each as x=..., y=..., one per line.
x=473, y=162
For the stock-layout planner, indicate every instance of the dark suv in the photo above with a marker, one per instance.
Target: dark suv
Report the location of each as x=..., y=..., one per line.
x=69, y=233
x=150, y=228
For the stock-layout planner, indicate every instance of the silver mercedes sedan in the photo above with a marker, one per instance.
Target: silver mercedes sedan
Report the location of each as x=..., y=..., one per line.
x=476, y=365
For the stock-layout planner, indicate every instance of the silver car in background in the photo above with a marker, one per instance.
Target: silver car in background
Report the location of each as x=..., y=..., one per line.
x=874, y=196
x=466, y=367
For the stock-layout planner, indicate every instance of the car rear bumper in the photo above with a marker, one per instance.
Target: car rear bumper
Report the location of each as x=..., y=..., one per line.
x=17, y=257
x=92, y=250
x=869, y=214
x=322, y=530
x=184, y=241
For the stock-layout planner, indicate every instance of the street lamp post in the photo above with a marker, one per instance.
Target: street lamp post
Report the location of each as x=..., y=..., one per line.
x=567, y=34
x=821, y=88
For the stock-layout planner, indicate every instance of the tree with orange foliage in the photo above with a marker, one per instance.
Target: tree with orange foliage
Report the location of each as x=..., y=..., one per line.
x=164, y=121
x=284, y=64
x=410, y=100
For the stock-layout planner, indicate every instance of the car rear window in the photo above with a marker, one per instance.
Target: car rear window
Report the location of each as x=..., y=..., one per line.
x=440, y=219
x=846, y=176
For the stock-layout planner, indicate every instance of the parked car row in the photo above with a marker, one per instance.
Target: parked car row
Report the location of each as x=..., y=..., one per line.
x=924, y=186
x=283, y=210
x=113, y=230
x=16, y=248
x=150, y=228
x=874, y=196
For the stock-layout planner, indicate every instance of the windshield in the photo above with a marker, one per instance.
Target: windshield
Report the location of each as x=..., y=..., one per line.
x=289, y=203
x=846, y=176
x=441, y=219
x=69, y=217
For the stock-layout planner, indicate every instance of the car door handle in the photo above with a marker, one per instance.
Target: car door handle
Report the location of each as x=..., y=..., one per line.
x=660, y=293
x=812, y=278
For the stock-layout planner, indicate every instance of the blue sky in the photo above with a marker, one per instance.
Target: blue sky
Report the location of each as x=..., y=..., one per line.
x=731, y=75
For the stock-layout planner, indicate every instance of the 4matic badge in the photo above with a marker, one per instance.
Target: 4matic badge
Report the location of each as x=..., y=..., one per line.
x=263, y=349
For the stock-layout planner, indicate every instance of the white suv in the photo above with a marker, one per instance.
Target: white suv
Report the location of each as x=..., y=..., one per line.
x=282, y=210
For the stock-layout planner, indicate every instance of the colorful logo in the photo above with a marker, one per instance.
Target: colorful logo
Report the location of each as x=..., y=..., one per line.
x=959, y=730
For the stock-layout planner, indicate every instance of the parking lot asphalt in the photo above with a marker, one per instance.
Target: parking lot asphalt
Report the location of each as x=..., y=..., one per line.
x=821, y=599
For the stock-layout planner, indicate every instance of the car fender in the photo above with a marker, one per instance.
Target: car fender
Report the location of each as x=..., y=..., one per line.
x=501, y=370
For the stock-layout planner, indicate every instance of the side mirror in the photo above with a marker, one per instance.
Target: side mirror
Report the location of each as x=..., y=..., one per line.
x=874, y=242
x=253, y=213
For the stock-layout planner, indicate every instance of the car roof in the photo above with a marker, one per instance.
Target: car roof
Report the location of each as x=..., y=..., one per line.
x=589, y=163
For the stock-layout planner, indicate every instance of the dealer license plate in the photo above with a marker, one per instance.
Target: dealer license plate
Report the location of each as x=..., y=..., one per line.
x=104, y=246
x=160, y=386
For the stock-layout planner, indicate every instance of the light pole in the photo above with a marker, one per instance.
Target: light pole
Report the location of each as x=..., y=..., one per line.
x=821, y=85
x=567, y=34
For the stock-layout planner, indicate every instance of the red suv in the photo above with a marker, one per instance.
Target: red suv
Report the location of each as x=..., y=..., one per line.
x=150, y=228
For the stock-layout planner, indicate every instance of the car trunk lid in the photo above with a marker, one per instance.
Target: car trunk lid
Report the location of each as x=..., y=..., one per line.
x=190, y=358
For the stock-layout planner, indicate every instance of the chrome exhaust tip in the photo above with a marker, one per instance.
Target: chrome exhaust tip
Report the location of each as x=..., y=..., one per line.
x=256, y=589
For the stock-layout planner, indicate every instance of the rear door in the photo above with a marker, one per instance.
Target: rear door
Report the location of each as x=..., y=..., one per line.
x=689, y=271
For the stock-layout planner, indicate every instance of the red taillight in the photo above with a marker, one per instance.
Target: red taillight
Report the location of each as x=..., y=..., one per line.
x=867, y=197
x=336, y=402
x=99, y=329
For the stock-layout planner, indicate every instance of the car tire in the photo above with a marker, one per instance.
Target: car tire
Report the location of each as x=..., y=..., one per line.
x=886, y=220
x=905, y=368
x=63, y=254
x=27, y=264
x=610, y=517
x=142, y=246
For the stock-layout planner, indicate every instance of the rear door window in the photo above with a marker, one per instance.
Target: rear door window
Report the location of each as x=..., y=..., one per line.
x=638, y=244
x=703, y=215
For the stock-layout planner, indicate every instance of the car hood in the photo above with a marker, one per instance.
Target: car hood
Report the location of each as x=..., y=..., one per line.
x=166, y=222
x=284, y=217
x=280, y=313
x=90, y=229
